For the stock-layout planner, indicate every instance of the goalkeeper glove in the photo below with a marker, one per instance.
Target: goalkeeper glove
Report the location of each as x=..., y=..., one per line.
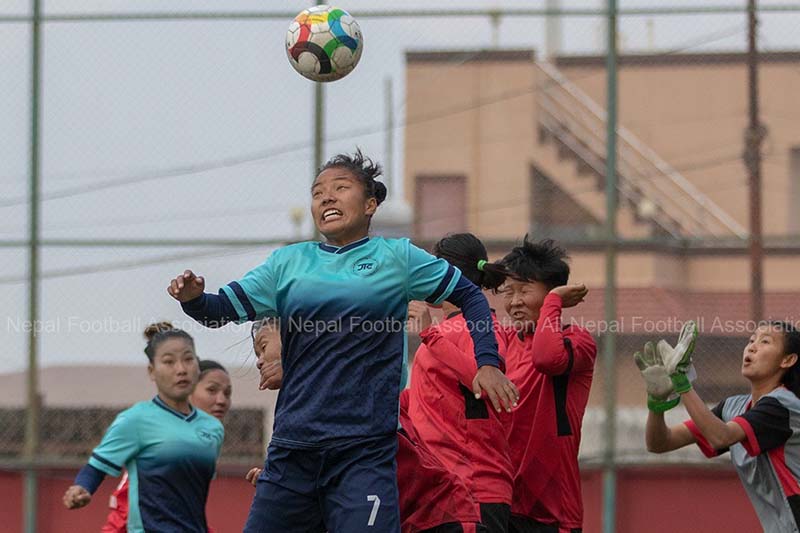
x=678, y=360
x=661, y=395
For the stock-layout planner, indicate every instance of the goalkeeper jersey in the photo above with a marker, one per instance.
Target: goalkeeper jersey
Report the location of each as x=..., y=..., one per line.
x=768, y=460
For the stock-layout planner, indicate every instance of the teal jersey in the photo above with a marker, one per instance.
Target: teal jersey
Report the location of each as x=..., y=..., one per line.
x=343, y=313
x=171, y=459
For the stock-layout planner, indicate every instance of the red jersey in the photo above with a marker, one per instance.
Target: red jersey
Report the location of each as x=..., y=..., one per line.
x=553, y=370
x=466, y=434
x=430, y=494
x=117, y=520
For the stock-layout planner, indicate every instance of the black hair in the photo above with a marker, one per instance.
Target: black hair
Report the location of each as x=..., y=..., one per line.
x=544, y=261
x=364, y=168
x=256, y=327
x=791, y=345
x=466, y=252
x=158, y=333
x=207, y=365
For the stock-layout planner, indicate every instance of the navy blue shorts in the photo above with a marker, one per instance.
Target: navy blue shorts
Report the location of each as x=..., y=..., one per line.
x=345, y=488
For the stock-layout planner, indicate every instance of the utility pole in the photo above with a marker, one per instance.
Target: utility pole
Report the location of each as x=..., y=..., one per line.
x=32, y=409
x=754, y=136
x=610, y=293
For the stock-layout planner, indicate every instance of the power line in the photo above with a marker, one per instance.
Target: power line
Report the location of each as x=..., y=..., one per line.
x=193, y=169
x=126, y=265
x=140, y=220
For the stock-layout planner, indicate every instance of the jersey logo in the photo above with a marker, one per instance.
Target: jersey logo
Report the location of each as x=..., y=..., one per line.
x=365, y=266
x=205, y=435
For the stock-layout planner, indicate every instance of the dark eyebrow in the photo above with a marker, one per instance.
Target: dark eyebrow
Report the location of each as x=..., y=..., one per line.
x=347, y=178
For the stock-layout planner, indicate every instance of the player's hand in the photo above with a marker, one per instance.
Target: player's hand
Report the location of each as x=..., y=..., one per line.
x=186, y=286
x=502, y=393
x=252, y=475
x=419, y=316
x=571, y=295
x=661, y=396
x=654, y=372
x=271, y=374
x=678, y=360
x=76, y=497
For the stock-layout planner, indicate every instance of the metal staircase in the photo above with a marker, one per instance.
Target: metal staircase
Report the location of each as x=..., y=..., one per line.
x=657, y=192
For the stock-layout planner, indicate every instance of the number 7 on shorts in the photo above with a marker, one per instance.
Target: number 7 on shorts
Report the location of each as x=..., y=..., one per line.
x=375, y=506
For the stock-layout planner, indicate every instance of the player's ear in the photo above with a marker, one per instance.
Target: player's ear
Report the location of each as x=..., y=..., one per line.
x=151, y=372
x=371, y=206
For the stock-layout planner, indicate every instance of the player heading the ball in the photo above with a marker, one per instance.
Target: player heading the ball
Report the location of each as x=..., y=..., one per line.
x=336, y=416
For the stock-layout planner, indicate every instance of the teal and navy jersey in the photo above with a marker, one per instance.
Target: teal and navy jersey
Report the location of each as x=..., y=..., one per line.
x=342, y=313
x=170, y=458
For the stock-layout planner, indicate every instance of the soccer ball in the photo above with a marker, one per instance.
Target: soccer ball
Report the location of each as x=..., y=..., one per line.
x=324, y=43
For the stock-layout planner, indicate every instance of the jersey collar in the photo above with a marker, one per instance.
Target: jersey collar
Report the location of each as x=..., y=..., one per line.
x=191, y=416
x=342, y=249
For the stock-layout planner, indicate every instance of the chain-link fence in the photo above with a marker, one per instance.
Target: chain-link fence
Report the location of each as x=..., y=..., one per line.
x=182, y=139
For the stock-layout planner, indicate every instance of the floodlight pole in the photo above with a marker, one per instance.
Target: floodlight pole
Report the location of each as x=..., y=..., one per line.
x=32, y=411
x=319, y=134
x=610, y=296
x=754, y=136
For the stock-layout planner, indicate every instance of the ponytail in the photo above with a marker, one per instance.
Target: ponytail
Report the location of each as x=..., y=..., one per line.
x=466, y=252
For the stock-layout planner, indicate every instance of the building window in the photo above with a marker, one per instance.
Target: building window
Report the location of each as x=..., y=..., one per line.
x=440, y=206
x=555, y=213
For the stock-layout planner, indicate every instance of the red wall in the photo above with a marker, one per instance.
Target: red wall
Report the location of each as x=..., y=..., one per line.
x=663, y=499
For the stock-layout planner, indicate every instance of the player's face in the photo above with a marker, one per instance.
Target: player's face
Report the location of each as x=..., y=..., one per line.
x=175, y=370
x=213, y=393
x=764, y=355
x=523, y=301
x=340, y=207
x=268, y=345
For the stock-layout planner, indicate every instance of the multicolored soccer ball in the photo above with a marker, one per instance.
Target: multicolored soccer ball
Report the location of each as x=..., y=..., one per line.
x=324, y=43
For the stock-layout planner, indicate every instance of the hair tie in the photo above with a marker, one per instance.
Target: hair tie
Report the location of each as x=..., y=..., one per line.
x=481, y=263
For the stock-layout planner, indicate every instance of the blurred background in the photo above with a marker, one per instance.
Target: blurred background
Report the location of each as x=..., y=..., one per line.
x=655, y=140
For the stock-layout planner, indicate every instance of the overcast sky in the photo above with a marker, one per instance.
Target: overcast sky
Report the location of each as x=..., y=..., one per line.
x=213, y=130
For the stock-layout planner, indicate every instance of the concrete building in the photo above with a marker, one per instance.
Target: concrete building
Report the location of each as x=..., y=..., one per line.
x=500, y=144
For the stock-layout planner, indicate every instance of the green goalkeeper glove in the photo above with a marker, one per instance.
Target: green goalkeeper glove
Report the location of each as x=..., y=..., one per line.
x=661, y=395
x=678, y=360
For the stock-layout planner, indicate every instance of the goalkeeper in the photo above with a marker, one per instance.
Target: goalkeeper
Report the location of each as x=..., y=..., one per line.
x=761, y=430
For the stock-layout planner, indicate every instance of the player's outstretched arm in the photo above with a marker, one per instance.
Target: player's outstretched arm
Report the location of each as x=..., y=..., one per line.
x=661, y=438
x=211, y=310
x=86, y=483
x=719, y=434
x=186, y=287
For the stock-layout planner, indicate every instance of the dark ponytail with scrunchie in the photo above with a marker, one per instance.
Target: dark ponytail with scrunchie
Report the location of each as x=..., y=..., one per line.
x=467, y=253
